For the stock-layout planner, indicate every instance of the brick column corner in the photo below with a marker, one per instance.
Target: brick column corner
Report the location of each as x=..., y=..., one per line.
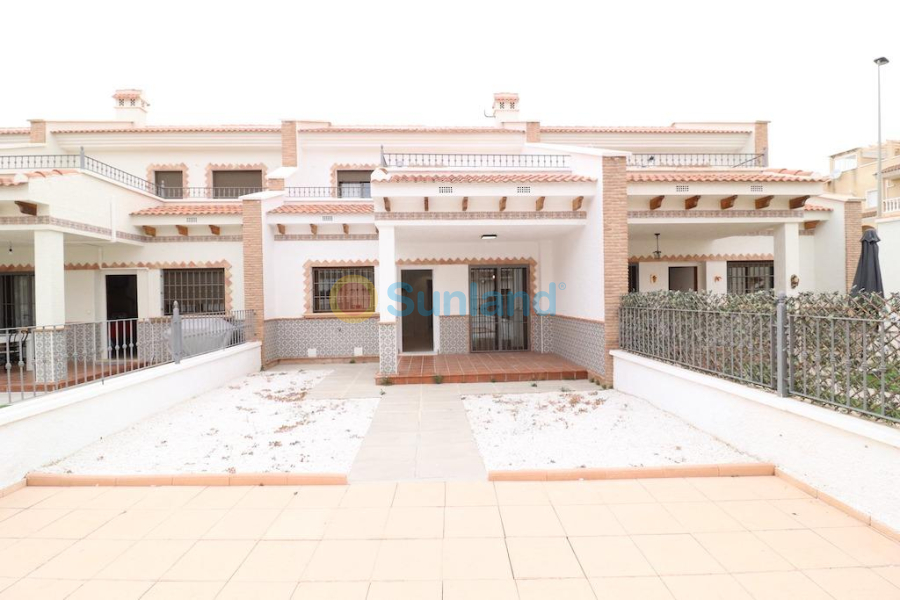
x=38, y=131
x=252, y=236
x=852, y=235
x=289, y=143
x=615, y=253
x=761, y=140
x=533, y=131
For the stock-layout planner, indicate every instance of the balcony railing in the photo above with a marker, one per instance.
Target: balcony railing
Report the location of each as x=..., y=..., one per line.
x=209, y=193
x=891, y=205
x=363, y=190
x=493, y=161
x=696, y=160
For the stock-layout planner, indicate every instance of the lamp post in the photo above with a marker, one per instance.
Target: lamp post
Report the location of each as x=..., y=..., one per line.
x=880, y=62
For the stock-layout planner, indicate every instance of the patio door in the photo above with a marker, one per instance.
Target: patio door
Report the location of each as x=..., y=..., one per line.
x=121, y=316
x=499, y=308
x=418, y=326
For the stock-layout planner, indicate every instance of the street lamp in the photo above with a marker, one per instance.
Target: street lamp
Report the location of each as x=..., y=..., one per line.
x=880, y=62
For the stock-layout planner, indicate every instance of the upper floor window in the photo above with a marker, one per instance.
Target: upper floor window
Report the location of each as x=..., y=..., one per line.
x=231, y=184
x=354, y=184
x=169, y=184
x=746, y=277
x=871, y=198
x=196, y=290
x=845, y=163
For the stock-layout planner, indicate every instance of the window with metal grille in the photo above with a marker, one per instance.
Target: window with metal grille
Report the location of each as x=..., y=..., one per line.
x=354, y=184
x=353, y=289
x=746, y=276
x=170, y=184
x=196, y=290
x=632, y=278
x=16, y=300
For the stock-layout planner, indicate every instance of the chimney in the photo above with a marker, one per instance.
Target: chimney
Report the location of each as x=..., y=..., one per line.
x=131, y=107
x=506, y=107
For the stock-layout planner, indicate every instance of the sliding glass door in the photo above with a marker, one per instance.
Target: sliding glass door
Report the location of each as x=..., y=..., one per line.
x=499, y=308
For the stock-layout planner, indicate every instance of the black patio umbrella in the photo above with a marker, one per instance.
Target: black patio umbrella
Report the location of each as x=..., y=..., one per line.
x=868, y=271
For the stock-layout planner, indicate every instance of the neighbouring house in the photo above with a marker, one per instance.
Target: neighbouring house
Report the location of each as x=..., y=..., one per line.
x=120, y=219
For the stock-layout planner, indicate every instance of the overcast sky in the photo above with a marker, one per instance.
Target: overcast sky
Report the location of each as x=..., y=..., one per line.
x=805, y=66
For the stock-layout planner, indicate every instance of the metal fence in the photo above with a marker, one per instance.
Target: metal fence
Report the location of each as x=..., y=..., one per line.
x=527, y=161
x=43, y=359
x=835, y=349
x=205, y=193
x=696, y=160
x=361, y=190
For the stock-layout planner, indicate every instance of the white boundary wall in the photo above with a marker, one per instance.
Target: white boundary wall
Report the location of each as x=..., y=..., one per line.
x=853, y=460
x=43, y=430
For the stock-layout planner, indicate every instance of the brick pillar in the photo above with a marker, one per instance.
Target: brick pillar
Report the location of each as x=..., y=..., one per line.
x=615, y=252
x=38, y=131
x=533, y=131
x=252, y=235
x=761, y=140
x=852, y=235
x=289, y=143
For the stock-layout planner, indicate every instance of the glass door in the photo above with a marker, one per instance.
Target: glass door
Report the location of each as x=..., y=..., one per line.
x=499, y=309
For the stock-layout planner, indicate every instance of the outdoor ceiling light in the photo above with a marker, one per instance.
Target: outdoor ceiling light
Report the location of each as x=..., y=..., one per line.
x=489, y=236
x=881, y=61
x=657, y=253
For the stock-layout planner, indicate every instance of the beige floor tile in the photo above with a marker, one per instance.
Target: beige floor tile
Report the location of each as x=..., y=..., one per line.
x=472, y=522
x=530, y=521
x=470, y=493
x=705, y=587
x=759, y=515
x=563, y=493
x=408, y=560
x=366, y=495
x=854, y=584
x=672, y=489
x=28, y=496
x=624, y=491
x=276, y=561
x=524, y=493
x=588, y=521
x=98, y=589
x=243, y=524
x=630, y=588
x=118, y=497
x=806, y=550
x=39, y=589
x=404, y=590
x=720, y=489
x=342, y=560
x=815, y=513
x=742, y=552
x=791, y=585
x=698, y=517
x=184, y=590
x=892, y=574
x=168, y=497
x=146, y=560
x=414, y=522
x=610, y=556
x=676, y=555
x=330, y=590
x=357, y=524
x=24, y=556
x=130, y=525
x=268, y=496
x=864, y=544
x=217, y=497
x=420, y=494
x=541, y=589
x=82, y=560
x=6, y=513
x=29, y=522
x=318, y=496
x=486, y=589
x=74, y=497
x=5, y=582
x=772, y=488
x=475, y=559
x=264, y=590
x=299, y=524
x=210, y=560
x=77, y=524
x=186, y=524
x=542, y=558
x=639, y=519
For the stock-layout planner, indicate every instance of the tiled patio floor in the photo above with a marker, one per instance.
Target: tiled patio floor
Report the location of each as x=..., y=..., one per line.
x=733, y=538
x=481, y=367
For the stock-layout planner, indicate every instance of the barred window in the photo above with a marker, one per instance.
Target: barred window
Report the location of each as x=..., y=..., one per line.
x=746, y=277
x=354, y=294
x=196, y=290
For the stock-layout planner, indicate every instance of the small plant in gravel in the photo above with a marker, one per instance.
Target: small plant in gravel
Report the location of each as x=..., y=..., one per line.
x=382, y=392
x=352, y=361
x=438, y=379
x=565, y=390
x=493, y=380
x=386, y=381
x=534, y=384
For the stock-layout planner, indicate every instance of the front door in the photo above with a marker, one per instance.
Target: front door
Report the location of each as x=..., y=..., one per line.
x=499, y=308
x=121, y=316
x=418, y=325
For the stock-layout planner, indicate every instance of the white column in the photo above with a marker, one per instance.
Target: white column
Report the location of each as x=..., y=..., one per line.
x=387, y=273
x=49, y=278
x=787, y=256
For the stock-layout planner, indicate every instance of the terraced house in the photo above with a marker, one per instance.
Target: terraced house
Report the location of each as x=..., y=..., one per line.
x=120, y=219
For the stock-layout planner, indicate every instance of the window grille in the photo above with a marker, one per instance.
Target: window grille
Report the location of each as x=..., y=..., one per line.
x=352, y=295
x=746, y=277
x=196, y=290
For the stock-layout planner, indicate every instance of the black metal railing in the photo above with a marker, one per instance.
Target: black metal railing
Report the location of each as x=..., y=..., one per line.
x=360, y=191
x=495, y=161
x=646, y=160
x=209, y=193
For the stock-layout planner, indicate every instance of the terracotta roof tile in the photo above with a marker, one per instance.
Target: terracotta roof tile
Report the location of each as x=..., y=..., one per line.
x=488, y=178
x=769, y=175
x=362, y=208
x=192, y=209
x=178, y=129
x=20, y=178
x=891, y=169
x=15, y=131
x=633, y=129
x=408, y=129
x=817, y=208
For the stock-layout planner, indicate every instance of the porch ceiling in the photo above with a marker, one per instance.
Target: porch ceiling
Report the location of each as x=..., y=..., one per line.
x=438, y=233
x=695, y=231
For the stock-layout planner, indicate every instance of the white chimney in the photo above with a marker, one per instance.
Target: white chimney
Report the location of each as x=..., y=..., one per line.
x=131, y=106
x=506, y=107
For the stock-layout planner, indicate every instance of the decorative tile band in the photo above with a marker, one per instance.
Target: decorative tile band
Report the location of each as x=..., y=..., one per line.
x=329, y=337
x=125, y=235
x=337, y=237
x=454, y=334
x=579, y=340
x=700, y=257
x=480, y=215
x=715, y=214
x=387, y=348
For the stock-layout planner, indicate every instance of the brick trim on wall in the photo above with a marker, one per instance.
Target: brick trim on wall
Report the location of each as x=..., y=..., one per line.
x=761, y=138
x=254, y=292
x=349, y=167
x=852, y=235
x=233, y=167
x=152, y=169
x=615, y=251
x=38, y=132
x=307, y=276
x=289, y=144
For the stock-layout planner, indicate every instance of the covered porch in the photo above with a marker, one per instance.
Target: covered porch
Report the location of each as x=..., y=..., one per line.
x=484, y=367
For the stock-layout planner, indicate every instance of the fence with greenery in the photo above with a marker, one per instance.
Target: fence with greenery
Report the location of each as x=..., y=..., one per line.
x=836, y=349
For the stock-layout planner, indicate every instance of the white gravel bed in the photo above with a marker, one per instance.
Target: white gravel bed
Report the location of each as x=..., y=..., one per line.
x=260, y=423
x=595, y=429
